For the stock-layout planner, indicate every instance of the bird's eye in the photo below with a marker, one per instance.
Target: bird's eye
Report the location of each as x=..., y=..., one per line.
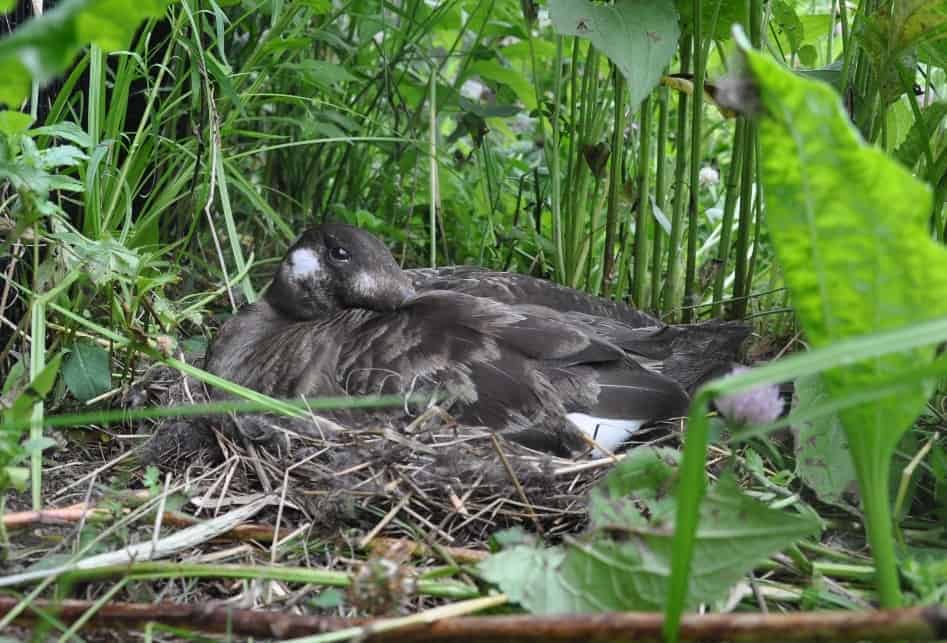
x=338, y=253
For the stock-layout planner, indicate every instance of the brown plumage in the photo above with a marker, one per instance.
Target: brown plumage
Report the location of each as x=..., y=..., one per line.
x=341, y=318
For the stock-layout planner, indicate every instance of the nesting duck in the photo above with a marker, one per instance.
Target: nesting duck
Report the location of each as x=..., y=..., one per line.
x=342, y=318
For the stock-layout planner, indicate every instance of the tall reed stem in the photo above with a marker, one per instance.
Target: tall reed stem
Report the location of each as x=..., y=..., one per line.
x=643, y=213
x=671, y=287
x=697, y=113
x=729, y=207
x=660, y=198
x=614, y=181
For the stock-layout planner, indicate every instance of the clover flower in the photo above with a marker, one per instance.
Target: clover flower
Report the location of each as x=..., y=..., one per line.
x=759, y=405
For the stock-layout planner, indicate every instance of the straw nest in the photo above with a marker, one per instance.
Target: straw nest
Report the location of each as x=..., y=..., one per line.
x=457, y=484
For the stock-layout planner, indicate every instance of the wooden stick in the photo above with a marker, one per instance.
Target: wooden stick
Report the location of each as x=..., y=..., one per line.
x=915, y=623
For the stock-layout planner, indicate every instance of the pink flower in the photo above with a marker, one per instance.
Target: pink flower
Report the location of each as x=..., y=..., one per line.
x=759, y=405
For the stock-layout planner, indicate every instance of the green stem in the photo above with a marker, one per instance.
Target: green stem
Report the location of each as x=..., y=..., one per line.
x=697, y=114
x=554, y=166
x=643, y=214
x=738, y=308
x=660, y=198
x=729, y=207
x=614, y=179
x=671, y=287
x=873, y=471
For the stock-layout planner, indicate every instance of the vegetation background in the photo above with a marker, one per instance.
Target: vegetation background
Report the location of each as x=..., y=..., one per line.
x=146, y=193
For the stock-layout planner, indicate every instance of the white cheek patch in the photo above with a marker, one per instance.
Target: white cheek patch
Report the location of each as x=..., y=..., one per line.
x=609, y=433
x=365, y=284
x=304, y=263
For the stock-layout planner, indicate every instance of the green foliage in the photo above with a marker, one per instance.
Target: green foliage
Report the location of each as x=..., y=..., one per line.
x=717, y=17
x=639, y=37
x=919, y=136
x=46, y=45
x=86, y=371
x=823, y=461
x=624, y=560
x=12, y=452
x=849, y=227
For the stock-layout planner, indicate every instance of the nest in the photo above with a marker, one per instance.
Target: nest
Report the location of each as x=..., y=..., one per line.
x=427, y=478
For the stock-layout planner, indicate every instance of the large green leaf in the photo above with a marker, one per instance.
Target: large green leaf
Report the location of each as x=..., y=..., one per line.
x=86, y=371
x=920, y=134
x=44, y=46
x=717, y=17
x=892, y=38
x=822, y=454
x=639, y=36
x=849, y=228
x=624, y=562
x=12, y=450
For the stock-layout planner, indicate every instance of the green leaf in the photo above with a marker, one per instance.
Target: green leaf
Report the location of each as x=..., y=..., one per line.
x=44, y=46
x=822, y=455
x=492, y=70
x=624, y=563
x=815, y=27
x=639, y=36
x=13, y=123
x=61, y=156
x=850, y=229
x=14, y=376
x=892, y=38
x=65, y=130
x=17, y=478
x=849, y=226
x=87, y=371
x=328, y=598
x=38, y=389
x=318, y=7
x=920, y=134
x=7, y=5
x=788, y=24
x=808, y=55
x=320, y=72
x=102, y=260
x=716, y=17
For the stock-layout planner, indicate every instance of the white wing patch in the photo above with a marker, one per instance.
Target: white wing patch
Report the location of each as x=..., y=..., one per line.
x=609, y=433
x=305, y=263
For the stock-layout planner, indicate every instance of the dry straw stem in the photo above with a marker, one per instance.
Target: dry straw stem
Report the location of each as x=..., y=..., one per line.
x=915, y=623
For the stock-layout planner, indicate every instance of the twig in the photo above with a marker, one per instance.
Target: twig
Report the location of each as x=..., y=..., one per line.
x=516, y=483
x=915, y=623
x=460, y=554
x=363, y=543
x=184, y=539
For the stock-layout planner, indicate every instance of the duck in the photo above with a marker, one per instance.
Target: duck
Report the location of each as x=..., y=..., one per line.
x=690, y=354
x=342, y=318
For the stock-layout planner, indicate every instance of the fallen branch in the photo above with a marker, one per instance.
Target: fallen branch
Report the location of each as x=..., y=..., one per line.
x=76, y=513
x=178, y=541
x=382, y=547
x=916, y=623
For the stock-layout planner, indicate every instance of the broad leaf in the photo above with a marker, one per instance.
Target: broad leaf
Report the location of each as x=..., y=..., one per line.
x=717, y=17
x=102, y=260
x=850, y=229
x=13, y=123
x=38, y=389
x=822, y=456
x=44, y=46
x=639, y=36
x=87, y=371
x=788, y=24
x=624, y=562
x=491, y=70
x=920, y=134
